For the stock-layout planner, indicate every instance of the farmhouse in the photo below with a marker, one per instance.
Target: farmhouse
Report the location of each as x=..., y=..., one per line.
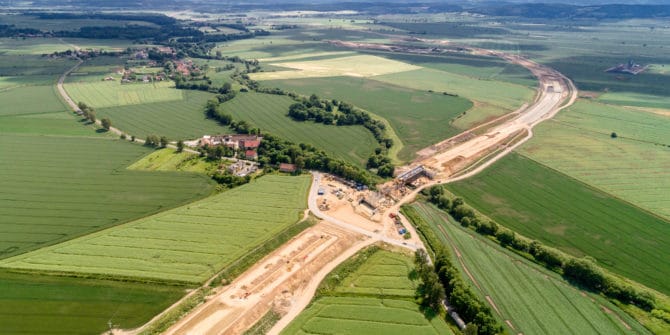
x=251, y=154
x=236, y=142
x=289, y=168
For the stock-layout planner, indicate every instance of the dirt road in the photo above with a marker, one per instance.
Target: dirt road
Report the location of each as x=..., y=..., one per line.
x=285, y=280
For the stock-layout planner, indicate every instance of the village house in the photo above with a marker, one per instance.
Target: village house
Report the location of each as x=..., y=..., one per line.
x=236, y=142
x=288, y=168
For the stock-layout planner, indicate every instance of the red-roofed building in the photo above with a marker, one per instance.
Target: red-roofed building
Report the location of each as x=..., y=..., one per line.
x=250, y=144
x=251, y=154
x=285, y=167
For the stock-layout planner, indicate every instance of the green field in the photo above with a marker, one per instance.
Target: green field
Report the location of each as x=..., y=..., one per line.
x=419, y=118
x=534, y=300
x=384, y=273
x=55, y=188
x=633, y=167
x=269, y=112
x=39, y=46
x=31, y=304
x=474, y=66
x=553, y=208
x=178, y=120
x=377, y=298
x=186, y=244
x=491, y=98
x=22, y=100
x=103, y=94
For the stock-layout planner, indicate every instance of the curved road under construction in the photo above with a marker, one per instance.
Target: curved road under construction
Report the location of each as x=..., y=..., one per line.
x=309, y=257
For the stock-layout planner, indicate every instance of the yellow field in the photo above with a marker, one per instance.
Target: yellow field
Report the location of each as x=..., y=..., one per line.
x=306, y=55
x=352, y=66
x=112, y=93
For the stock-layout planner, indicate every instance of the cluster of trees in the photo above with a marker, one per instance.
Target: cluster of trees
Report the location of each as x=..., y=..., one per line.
x=155, y=141
x=581, y=271
x=380, y=161
x=9, y=30
x=87, y=111
x=460, y=296
x=430, y=292
x=229, y=180
x=274, y=150
x=323, y=111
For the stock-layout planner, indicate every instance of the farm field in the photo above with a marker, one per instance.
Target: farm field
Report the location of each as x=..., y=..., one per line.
x=269, y=112
x=21, y=100
x=178, y=120
x=103, y=94
x=419, y=118
x=490, y=98
x=532, y=299
x=57, y=123
x=55, y=188
x=377, y=298
x=185, y=244
x=633, y=167
x=474, y=66
x=353, y=66
x=32, y=304
x=562, y=212
x=39, y=46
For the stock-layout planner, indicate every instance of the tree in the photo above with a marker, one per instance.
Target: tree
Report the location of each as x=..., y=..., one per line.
x=180, y=146
x=471, y=329
x=506, y=237
x=106, y=123
x=614, y=135
x=151, y=141
x=164, y=141
x=91, y=115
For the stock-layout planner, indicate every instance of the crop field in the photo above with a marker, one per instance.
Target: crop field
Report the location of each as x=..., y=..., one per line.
x=39, y=46
x=419, y=118
x=491, y=98
x=185, y=244
x=180, y=119
x=55, y=188
x=352, y=66
x=532, y=299
x=476, y=67
x=634, y=166
x=269, y=112
x=32, y=304
x=58, y=123
x=377, y=298
x=21, y=100
x=29, y=21
x=384, y=273
x=112, y=93
x=560, y=211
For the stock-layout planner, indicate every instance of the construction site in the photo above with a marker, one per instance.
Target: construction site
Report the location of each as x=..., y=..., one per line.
x=282, y=282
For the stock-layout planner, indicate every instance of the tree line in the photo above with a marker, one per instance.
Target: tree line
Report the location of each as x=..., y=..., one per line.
x=443, y=280
x=581, y=271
